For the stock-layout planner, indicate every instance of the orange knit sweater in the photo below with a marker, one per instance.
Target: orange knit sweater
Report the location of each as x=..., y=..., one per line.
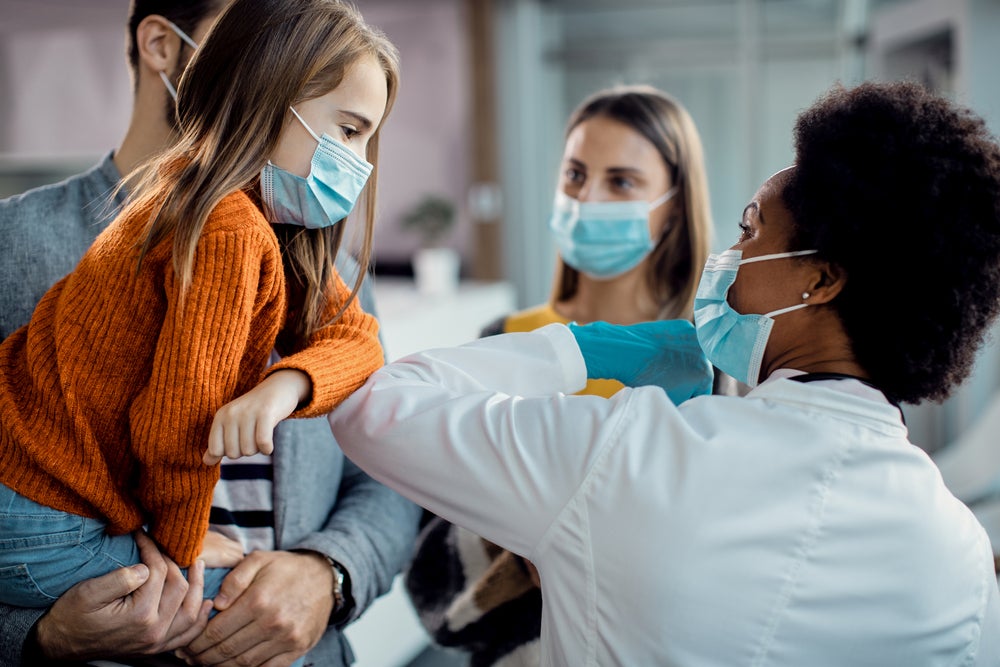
x=108, y=394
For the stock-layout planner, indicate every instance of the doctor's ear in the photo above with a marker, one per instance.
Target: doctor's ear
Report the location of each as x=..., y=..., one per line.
x=158, y=44
x=826, y=280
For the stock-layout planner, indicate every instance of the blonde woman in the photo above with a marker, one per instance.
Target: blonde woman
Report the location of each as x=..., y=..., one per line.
x=632, y=224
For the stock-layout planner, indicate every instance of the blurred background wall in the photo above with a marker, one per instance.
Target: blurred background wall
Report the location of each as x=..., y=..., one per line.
x=487, y=86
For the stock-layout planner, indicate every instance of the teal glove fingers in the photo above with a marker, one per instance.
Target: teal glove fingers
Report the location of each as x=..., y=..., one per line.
x=664, y=353
x=610, y=351
x=681, y=367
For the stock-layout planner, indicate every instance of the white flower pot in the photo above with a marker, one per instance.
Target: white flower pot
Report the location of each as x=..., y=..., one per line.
x=436, y=270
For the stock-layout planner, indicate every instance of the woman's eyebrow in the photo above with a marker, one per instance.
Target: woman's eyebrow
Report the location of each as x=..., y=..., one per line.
x=624, y=170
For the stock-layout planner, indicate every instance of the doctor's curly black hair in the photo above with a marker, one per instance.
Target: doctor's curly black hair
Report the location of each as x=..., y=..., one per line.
x=901, y=189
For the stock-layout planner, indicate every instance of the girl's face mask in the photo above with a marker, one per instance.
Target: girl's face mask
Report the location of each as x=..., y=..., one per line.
x=323, y=198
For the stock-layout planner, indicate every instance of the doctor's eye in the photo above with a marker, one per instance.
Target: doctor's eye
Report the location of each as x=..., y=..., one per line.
x=349, y=131
x=745, y=231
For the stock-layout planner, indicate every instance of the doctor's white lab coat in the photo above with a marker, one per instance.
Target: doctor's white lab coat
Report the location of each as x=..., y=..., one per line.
x=793, y=526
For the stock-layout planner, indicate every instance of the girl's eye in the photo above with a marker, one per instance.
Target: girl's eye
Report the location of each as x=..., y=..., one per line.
x=349, y=131
x=574, y=175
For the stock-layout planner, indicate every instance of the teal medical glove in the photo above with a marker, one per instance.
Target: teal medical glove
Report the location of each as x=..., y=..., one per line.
x=664, y=353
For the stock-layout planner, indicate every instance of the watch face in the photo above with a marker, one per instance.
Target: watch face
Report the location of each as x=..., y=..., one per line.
x=338, y=584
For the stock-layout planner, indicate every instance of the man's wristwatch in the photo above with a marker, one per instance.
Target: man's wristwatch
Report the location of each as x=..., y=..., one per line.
x=338, y=584
x=342, y=601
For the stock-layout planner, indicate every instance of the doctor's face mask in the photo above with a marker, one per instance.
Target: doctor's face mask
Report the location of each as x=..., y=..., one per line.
x=733, y=342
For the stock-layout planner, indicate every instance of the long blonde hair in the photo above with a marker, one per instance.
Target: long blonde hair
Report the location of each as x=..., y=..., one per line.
x=260, y=58
x=679, y=255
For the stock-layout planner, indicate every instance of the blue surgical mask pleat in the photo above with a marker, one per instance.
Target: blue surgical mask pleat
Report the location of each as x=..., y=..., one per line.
x=326, y=196
x=344, y=156
x=732, y=341
x=602, y=239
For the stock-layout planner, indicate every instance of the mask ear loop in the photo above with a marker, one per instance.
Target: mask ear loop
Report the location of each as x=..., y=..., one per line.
x=657, y=203
x=187, y=40
x=782, y=311
x=777, y=255
x=183, y=35
x=170, y=86
x=662, y=199
x=308, y=129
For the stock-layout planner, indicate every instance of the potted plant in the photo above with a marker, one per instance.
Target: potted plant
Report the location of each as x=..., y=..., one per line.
x=435, y=267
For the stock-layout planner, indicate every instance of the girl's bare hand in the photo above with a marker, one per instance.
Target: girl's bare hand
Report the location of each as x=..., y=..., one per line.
x=219, y=551
x=245, y=426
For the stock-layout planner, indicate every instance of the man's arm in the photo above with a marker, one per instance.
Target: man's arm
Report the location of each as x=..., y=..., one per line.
x=370, y=533
x=15, y=624
x=372, y=528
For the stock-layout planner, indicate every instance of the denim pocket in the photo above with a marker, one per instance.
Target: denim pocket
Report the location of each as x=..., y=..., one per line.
x=37, y=549
x=44, y=552
x=18, y=588
x=25, y=528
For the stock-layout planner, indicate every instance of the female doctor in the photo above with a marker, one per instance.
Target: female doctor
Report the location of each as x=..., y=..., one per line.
x=794, y=526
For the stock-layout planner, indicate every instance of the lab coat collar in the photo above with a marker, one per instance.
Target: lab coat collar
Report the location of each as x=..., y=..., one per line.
x=837, y=398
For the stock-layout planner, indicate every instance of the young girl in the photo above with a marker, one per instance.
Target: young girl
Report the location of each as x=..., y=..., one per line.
x=130, y=365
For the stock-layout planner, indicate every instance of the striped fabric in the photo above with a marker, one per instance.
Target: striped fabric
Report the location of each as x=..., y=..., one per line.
x=243, y=501
x=242, y=505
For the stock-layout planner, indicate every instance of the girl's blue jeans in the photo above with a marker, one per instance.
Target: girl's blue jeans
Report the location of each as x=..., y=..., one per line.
x=45, y=552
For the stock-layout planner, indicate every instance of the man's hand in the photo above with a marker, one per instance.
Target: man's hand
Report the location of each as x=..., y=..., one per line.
x=138, y=610
x=273, y=607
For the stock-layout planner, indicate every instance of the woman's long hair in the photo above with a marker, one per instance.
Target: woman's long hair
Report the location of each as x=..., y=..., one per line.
x=260, y=58
x=680, y=253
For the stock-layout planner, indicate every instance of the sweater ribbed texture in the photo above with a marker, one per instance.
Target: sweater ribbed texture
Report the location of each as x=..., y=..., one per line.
x=108, y=394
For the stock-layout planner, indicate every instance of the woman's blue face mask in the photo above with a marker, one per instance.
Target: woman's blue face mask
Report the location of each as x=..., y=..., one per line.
x=323, y=198
x=603, y=239
x=733, y=342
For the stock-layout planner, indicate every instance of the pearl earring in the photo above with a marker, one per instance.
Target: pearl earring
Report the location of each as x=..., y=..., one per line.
x=805, y=295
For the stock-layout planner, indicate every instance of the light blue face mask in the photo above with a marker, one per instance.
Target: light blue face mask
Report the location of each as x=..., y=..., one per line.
x=733, y=342
x=603, y=239
x=325, y=197
x=187, y=40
